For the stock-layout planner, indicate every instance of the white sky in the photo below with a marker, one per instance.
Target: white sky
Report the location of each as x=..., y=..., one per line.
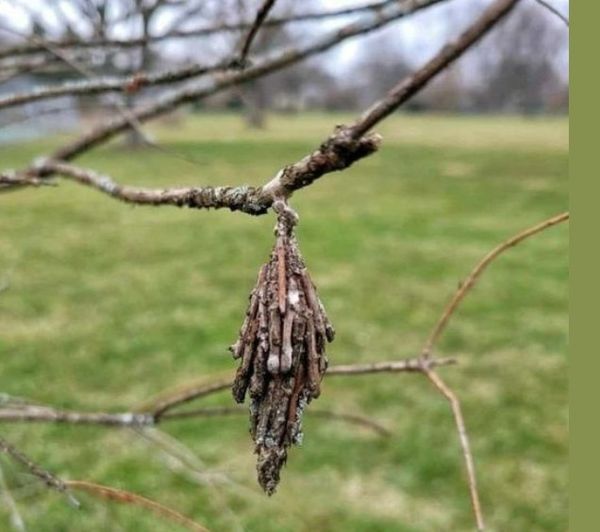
x=417, y=36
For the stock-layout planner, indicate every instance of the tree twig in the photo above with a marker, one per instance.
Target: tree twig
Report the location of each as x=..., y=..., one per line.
x=95, y=85
x=49, y=479
x=30, y=48
x=217, y=411
x=127, y=497
x=339, y=151
x=261, y=15
x=196, y=391
x=175, y=98
x=154, y=411
x=471, y=279
x=413, y=83
x=554, y=11
x=464, y=442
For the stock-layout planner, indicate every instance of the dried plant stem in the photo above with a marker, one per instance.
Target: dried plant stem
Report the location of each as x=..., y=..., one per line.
x=49, y=479
x=464, y=443
x=195, y=391
x=424, y=359
x=469, y=282
x=126, y=497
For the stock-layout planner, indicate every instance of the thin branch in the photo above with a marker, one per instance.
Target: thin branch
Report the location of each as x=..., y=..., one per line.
x=30, y=48
x=261, y=15
x=33, y=413
x=419, y=79
x=554, y=11
x=95, y=85
x=50, y=480
x=127, y=497
x=468, y=284
x=409, y=365
x=173, y=99
x=154, y=411
x=218, y=411
x=185, y=395
x=464, y=442
x=338, y=152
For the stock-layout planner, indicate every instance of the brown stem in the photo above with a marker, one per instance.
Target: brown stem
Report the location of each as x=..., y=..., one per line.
x=469, y=282
x=127, y=497
x=464, y=442
x=261, y=15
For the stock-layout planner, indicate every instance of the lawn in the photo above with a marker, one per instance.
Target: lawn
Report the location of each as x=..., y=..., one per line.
x=108, y=304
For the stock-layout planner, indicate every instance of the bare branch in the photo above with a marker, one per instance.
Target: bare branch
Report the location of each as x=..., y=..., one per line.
x=46, y=477
x=261, y=15
x=30, y=48
x=173, y=99
x=34, y=413
x=251, y=200
x=410, y=365
x=466, y=286
x=218, y=411
x=464, y=442
x=127, y=497
x=129, y=84
x=419, y=79
x=338, y=152
x=554, y=11
x=185, y=395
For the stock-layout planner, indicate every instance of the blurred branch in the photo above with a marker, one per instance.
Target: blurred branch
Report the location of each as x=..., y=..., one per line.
x=174, y=99
x=185, y=395
x=97, y=85
x=29, y=48
x=127, y=497
x=261, y=15
x=471, y=279
x=419, y=79
x=153, y=412
x=50, y=480
x=338, y=152
x=553, y=10
x=218, y=411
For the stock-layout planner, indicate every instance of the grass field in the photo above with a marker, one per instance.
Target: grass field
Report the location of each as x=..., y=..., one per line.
x=109, y=304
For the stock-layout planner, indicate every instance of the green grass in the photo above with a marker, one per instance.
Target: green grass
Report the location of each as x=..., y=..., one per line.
x=109, y=304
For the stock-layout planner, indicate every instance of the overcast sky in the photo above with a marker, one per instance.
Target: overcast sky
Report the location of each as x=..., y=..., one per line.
x=417, y=37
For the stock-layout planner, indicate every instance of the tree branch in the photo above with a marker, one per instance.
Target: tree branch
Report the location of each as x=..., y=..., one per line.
x=464, y=442
x=30, y=48
x=185, y=395
x=469, y=282
x=261, y=15
x=554, y=11
x=419, y=79
x=175, y=98
x=127, y=497
x=50, y=480
x=338, y=152
x=129, y=84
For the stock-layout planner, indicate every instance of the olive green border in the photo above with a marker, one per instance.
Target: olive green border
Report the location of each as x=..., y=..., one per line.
x=584, y=373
